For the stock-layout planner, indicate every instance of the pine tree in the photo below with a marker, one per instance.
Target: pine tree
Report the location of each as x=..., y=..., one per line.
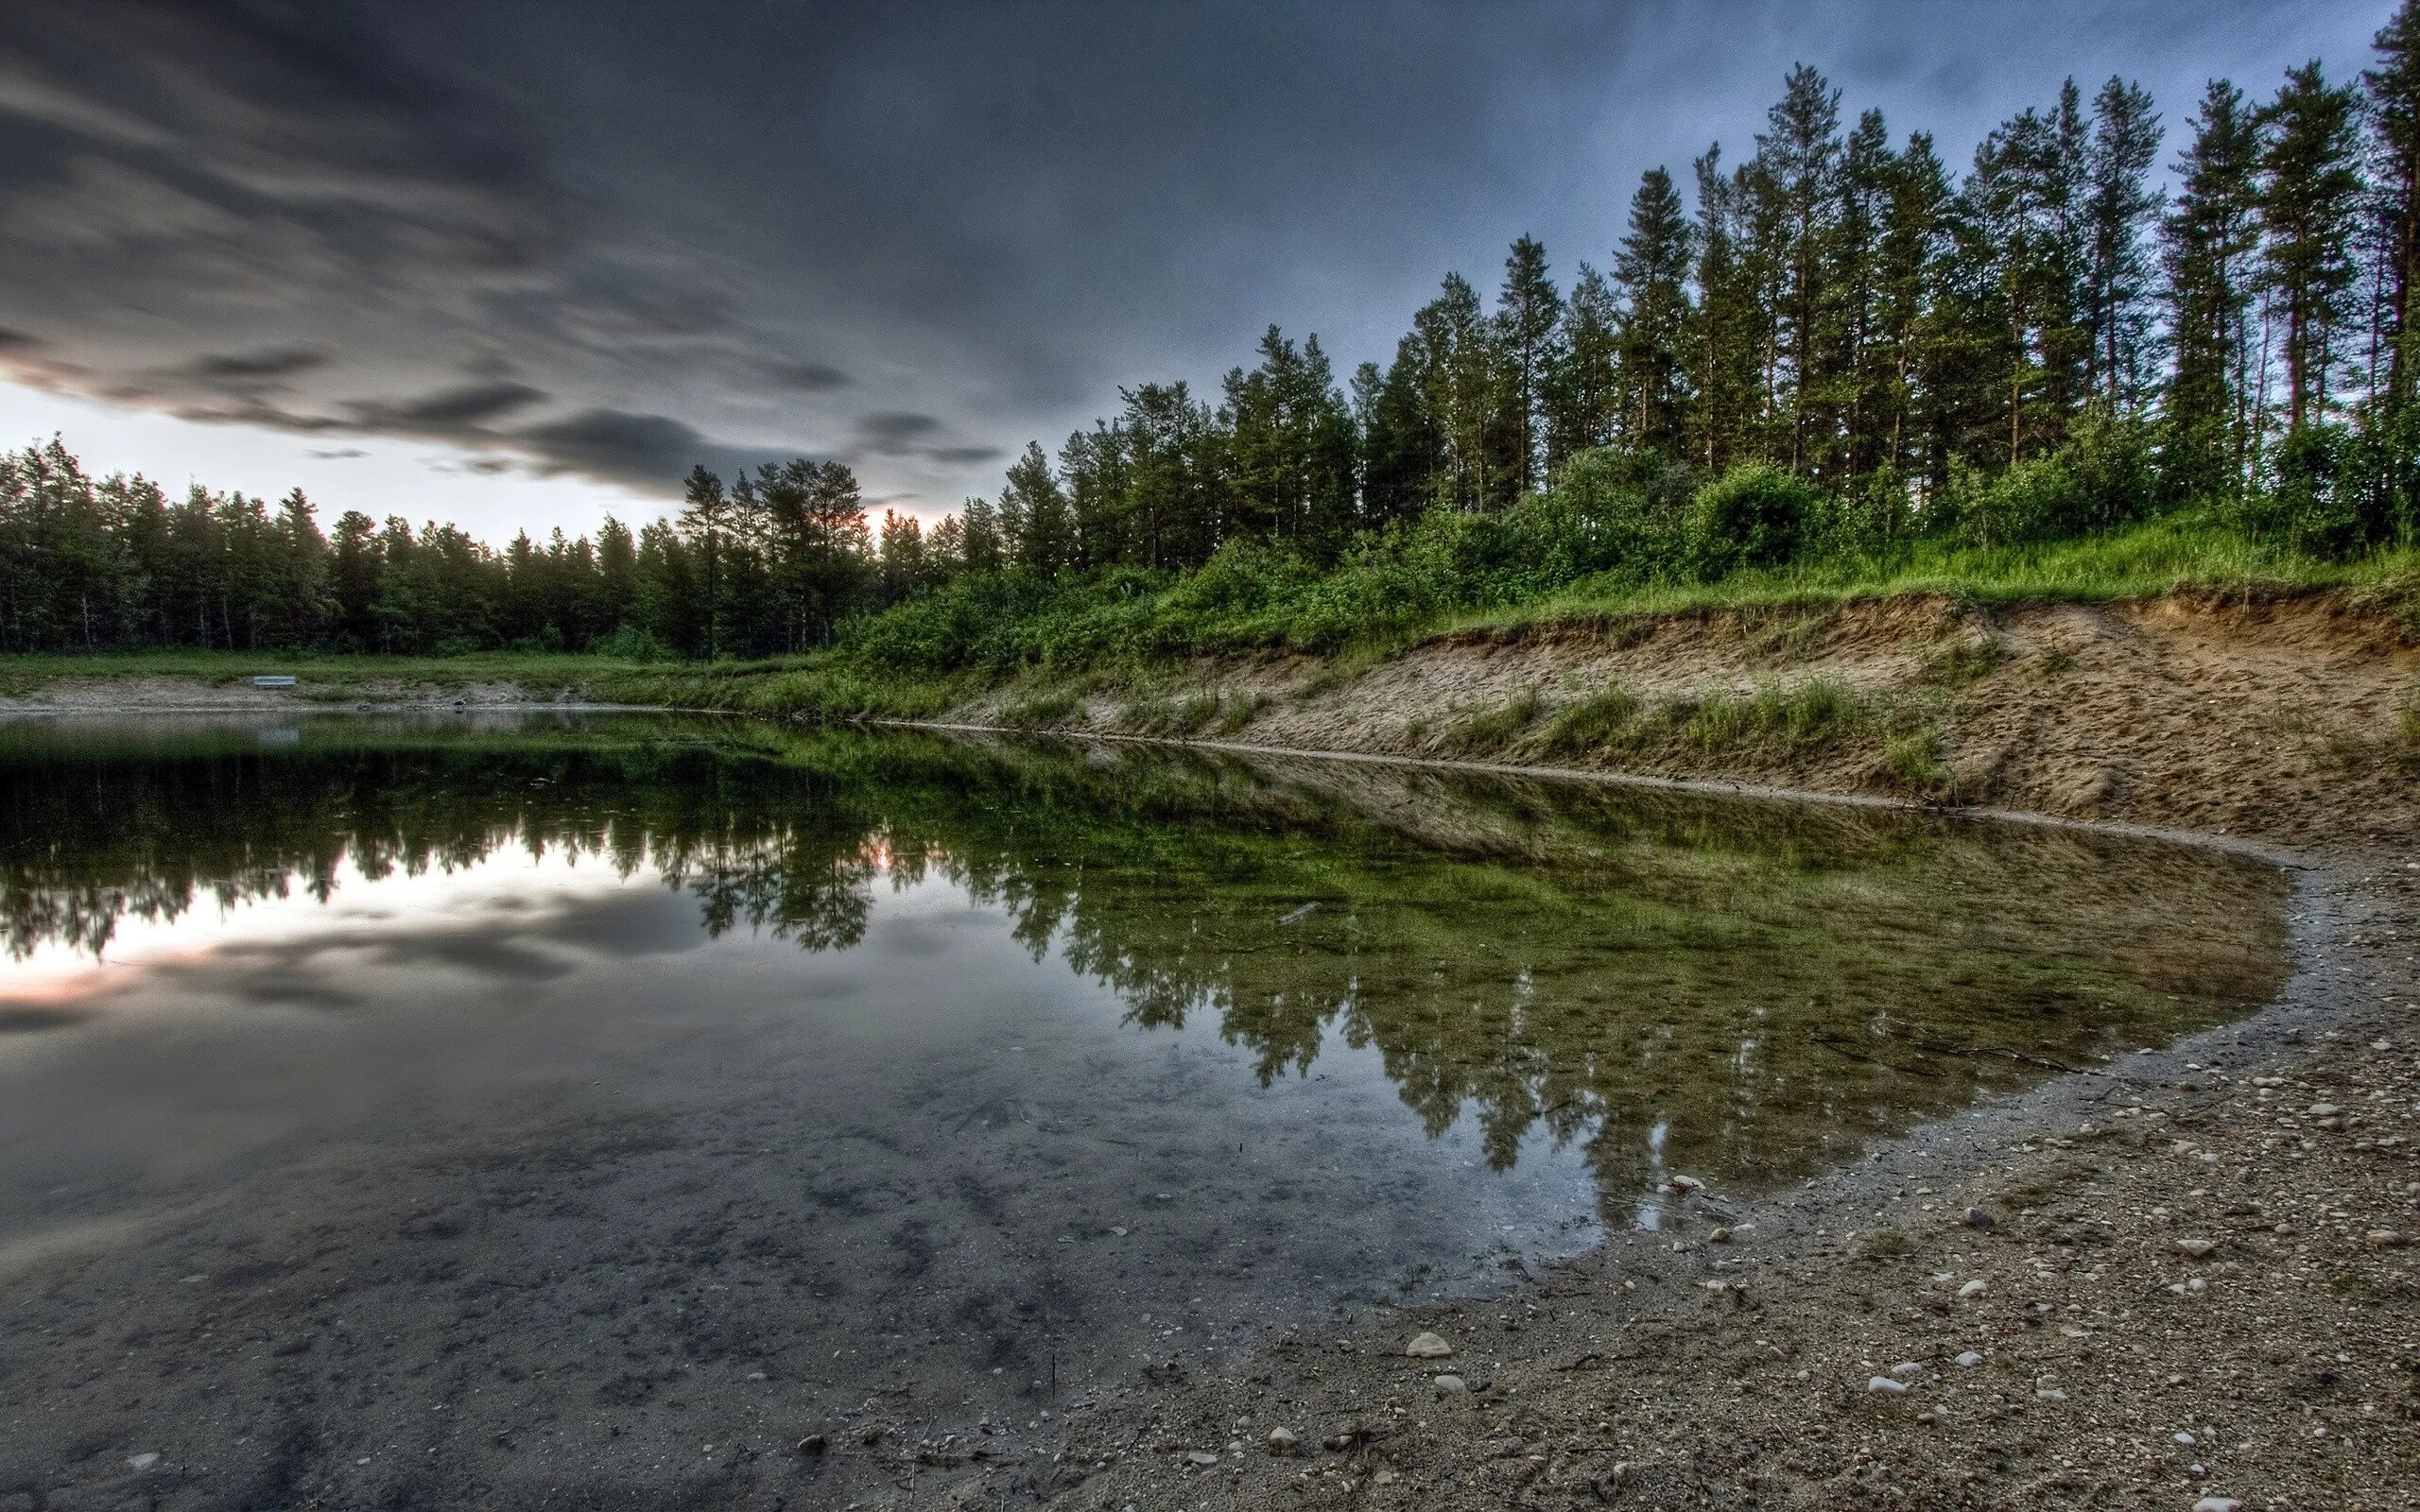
x=2207, y=245
x=2394, y=92
x=2120, y=205
x=705, y=517
x=1799, y=156
x=1528, y=327
x=2310, y=185
x=1046, y=531
x=1651, y=269
x=1583, y=395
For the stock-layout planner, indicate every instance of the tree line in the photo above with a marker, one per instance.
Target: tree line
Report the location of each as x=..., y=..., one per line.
x=1836, y=338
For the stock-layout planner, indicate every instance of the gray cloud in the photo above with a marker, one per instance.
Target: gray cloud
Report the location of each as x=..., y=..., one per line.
x=806, y=377
x=642, y=450
x=250, y=366
x=459, y=412
x=980, y=218
x=339, y=454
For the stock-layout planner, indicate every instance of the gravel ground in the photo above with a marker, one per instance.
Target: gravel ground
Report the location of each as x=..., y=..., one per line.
x=2185, y=1281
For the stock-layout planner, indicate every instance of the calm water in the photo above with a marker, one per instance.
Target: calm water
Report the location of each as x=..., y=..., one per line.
x=531, y=1100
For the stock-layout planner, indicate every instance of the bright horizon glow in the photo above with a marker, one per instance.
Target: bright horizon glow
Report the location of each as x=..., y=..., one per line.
x=418, y=480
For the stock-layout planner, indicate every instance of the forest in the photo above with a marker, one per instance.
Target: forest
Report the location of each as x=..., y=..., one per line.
x=1833, y=350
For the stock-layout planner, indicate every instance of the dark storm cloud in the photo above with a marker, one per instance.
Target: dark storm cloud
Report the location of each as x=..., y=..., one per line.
x=461, y=411
x=640, y=450
x=895, y=432
x=806, y=377
x=624, y=223
x=17, y=342
x=234, y=367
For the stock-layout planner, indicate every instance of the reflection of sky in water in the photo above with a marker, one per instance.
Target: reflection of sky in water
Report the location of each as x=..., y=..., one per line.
x=647, y=1054
x=505, y=991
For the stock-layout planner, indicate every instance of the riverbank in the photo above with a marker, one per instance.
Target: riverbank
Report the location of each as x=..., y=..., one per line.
x=2193, y=1276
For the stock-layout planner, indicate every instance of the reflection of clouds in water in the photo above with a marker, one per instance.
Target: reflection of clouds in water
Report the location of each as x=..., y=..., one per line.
x=513, y=918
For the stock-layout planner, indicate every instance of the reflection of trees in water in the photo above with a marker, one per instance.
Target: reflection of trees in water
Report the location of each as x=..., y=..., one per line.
x=1771, y=984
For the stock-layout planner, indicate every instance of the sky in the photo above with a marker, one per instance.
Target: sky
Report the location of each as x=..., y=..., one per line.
x=522, y=265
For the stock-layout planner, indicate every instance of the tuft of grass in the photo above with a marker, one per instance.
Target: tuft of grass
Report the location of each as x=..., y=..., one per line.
x=1798, y=721
x=1237, y=712
x=1885, y=1243
x=1915, y=763
x=1044, y=709
x=1483, y=732
x=1963, y=663
x=2411, y=720
x=1598, y=720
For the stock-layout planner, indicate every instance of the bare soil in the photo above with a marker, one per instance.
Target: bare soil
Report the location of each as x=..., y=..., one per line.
x=2283, y=720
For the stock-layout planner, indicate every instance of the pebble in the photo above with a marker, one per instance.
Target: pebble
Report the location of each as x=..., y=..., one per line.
x=2325, y=1109
x=1451, y=1386
x=2218, y=1504
x=1973, y=1288
x=1906, y=1368
x=1428, y=1346
x=2197, y=1247
x=1281, y=1441
x=1968, y=1359
x=1686, y=1184
x=1720, y=1236
x=1978, y=1218
x=2386, y=1238
x=1884, y=1385
x=1200, y=1457
x=144, y=1460
x=811, y=1444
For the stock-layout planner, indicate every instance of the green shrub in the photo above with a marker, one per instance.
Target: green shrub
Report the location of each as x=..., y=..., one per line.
x=1756, y=515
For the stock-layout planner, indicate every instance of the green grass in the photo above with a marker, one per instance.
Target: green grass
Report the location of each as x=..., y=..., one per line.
x=1043, y=709
x=317, y=672
x=1915, y=763
x=2183, y=554
x=1489, y=730
x=1591, y=723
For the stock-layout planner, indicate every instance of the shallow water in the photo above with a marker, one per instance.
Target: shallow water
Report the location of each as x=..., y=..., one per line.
x=500, y=1097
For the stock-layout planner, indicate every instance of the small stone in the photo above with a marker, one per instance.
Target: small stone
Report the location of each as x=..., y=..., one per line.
x=2185, y=1439
x=1428, y=1346
x=1973, y=1288
x=1968, y=1359
x=1683, y=1185
x=144, y=1460
x=1908, y=1369
x=1385, y=1477
x=2324, y=1110
x=2198, y=1248
x=1451, y=1386
x=756, y=1375
x=1978, y=1218
x=2218, y=1504
x=1884, y=1385
x=811, y=1444
x=1200, y=1459
x=1720, y=1235
x=2387, y=1238
x=1281, y=1441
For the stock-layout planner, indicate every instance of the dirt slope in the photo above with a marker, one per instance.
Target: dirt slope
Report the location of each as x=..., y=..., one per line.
x=2292, y=721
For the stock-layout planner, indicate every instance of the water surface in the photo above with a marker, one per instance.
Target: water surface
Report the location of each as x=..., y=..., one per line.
x=516, y=1101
